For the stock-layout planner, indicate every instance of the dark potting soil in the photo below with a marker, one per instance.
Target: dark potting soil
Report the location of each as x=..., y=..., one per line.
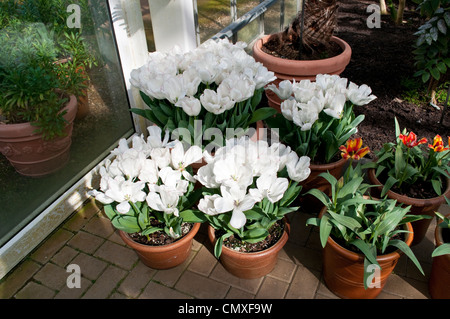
x=235, y=243
x=160, y=238
x=290, y=51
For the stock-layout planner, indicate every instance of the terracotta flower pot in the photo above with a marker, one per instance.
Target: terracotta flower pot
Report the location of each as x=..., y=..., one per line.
x=439, y=282
x=166, y=256
x=343, y=270
x=29, y=153
x=309, y=202
x=285, y=69
x=418, y=206
x=251, y=265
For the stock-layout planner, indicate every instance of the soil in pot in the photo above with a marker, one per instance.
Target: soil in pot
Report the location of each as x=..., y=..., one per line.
x=236, y=244
x=160, y=238
x=255, y=263
x=286, y=50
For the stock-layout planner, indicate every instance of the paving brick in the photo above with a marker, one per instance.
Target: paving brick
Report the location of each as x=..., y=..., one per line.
x=90, y=267
x=85, y=242
x=99, y=226
x=106, y=283
x=235, y=293
x=17, y=278
x=169, y=277
x=158, y=291
x=407, y=288
x=64, y=256
x=82, y=216
x=304, y=256
x=75, y=292
x=51, y=245
x=34, y=290
x=119, y=255
x=136, y=280
x=52, y=276
x=201, y=287
x=284, y=270
x=304, y=284
x=272, y=288
x=204, y=262
x=222, y=275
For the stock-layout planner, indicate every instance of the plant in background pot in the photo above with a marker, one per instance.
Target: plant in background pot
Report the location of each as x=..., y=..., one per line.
x=203, y=95
x=440, y=270
x=149, y=194
x=307, y=47
x=317, y=118
x=79, y=60
x=249, y=187
x=413, y=172
x=35, y=110
x=362, y=237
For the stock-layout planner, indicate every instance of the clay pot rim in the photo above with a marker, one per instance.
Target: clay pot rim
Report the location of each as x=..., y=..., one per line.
x=344, y=55
x=190, y=235
x=419, y=202
x=256, y=254
x=328, y=166
x=72, y=103
x=360, y=257
x=440, y=240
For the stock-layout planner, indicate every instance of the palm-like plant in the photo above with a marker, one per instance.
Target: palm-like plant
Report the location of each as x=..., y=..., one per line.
x=312, y=27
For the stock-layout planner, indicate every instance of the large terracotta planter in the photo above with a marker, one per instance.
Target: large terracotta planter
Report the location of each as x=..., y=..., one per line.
x=29, y=153
x=343, y=270
x=166, y=256
x=439, y=282
x=418, y=206
x=298, y=70
x=309, y=202
x=251, y=265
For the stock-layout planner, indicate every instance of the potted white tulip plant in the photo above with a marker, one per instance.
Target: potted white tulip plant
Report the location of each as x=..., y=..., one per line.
x=148, y=193
x=316, y=119
x=249, y=187
x=204, y=95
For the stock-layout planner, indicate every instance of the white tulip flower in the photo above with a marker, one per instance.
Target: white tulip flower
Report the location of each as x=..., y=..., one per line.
x=269, y=186
x=284, y=89
x=206, y=204
x=124, y=191
x=214, y=102
x=360, y=95
x=298, y=168
x=236, y=200
x=190, y=105
x=165, y=201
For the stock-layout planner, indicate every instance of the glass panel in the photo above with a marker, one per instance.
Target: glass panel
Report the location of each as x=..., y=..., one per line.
x=39, y=36
x=213, y=16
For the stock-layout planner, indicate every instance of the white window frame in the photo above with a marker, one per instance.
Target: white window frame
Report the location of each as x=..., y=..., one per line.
x=129, y=36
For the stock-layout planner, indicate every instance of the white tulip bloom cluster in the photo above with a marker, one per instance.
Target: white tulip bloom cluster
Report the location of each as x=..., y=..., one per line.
x=229, y=75
x=233, y=169
x=303, y=101
x=152, y=170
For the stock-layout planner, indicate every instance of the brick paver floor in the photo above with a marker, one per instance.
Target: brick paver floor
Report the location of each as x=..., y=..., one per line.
x=109, y=269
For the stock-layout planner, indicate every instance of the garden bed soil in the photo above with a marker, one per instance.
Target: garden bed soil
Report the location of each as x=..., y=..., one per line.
x=382, y=58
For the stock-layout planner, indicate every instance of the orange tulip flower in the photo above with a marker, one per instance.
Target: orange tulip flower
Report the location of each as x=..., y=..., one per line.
x=353, y=149
x=410, y=140
x=438, y=144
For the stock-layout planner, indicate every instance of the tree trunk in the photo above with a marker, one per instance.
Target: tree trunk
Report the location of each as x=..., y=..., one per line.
x=383, y=8
x=401, y=8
